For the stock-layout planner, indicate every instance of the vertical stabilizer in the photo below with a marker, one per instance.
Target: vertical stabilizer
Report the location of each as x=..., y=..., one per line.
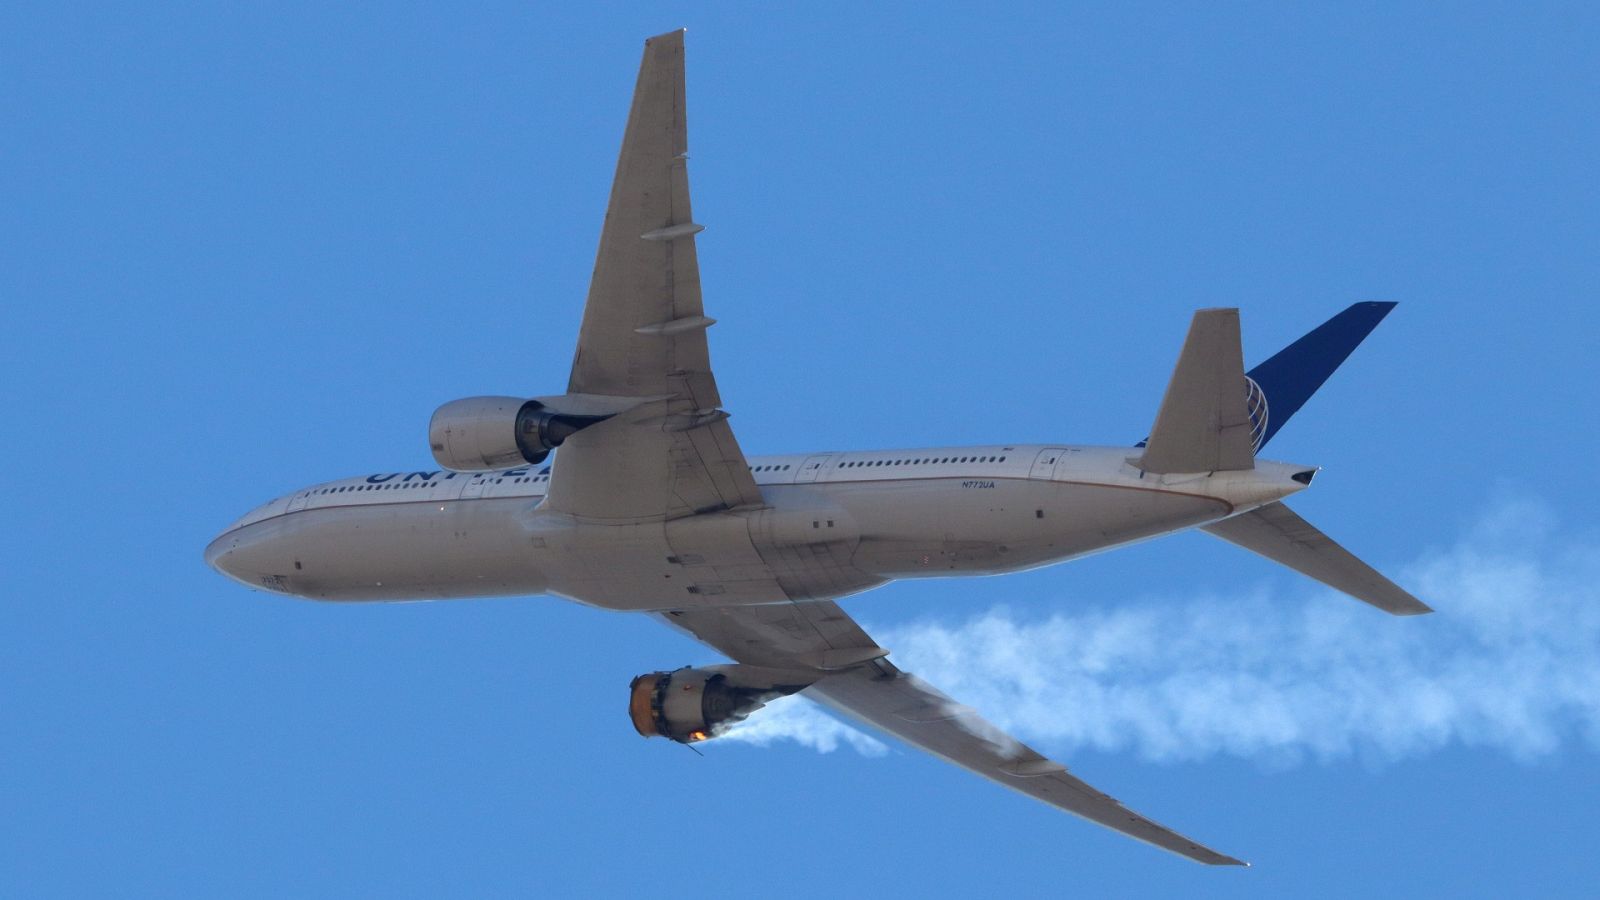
x=1294, y=373
x=1203, y=424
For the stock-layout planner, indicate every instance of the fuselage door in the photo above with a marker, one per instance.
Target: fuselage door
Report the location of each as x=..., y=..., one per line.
x=1044, y=465
x=298, y=501
x=810, y=468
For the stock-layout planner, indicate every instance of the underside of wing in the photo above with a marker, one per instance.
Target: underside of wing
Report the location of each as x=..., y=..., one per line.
x=853, y=677
x=1278, y=533
x=915, y=712
x=644, y=335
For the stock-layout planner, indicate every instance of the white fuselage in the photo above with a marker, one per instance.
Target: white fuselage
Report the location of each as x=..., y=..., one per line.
x=832, y=524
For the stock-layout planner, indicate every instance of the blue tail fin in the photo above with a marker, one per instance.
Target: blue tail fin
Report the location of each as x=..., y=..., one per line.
x=1288, y=379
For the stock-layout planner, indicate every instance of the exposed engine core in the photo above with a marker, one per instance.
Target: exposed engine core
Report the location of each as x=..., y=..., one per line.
x=689, y=705
x=479, y=434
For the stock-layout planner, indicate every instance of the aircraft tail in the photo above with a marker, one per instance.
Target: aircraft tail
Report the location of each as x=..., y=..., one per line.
x=1204, y=423
x=1281, y=385
x=1207, y=425
x=1214, y=418
x=1274, y=531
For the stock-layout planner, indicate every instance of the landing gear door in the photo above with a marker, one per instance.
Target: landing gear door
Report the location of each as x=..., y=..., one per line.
x=810, y=468
x=1044, y=465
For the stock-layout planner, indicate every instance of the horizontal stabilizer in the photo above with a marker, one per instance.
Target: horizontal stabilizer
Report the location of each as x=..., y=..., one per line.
x=1203, y=424
x=1274, y=531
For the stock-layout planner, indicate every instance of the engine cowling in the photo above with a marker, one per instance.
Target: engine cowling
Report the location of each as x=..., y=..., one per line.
x=479, y=434
x=689, y=705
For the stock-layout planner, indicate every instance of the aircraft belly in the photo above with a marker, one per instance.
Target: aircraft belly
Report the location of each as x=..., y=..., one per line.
x=811, y=542
x=410, y=551
x=931, y=528
x=793, y=549
x=612, y=566
x=808, y=541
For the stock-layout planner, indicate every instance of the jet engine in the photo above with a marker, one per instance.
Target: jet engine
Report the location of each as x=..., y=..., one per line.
x=479, y=434
x=689, y=705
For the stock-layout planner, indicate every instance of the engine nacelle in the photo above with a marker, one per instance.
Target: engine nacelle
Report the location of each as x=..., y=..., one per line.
x=689, y=705
x=481, y=434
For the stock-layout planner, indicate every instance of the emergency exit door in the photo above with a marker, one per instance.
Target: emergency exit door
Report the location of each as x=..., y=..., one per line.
x=1044, y=465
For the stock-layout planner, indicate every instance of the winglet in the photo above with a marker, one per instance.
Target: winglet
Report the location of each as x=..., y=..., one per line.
x=1204, y=424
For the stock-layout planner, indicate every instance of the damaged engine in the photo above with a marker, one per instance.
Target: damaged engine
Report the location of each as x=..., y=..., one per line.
x=689, y=705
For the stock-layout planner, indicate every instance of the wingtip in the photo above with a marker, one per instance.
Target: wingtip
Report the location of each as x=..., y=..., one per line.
x=1225, y=860
x=666, y=36
x=1408, y=606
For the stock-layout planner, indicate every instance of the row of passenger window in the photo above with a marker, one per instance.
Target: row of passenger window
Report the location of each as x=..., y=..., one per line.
x=373, y=487
x=918, y=462
x=526, y=479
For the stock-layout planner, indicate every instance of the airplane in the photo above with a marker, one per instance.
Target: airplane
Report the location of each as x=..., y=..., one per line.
x=649, y=504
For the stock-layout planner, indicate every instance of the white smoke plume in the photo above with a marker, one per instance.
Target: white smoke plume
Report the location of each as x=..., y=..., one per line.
x=799, y=720
x=1510, y=661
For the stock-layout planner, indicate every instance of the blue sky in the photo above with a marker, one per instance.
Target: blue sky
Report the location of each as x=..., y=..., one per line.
x=251, y=248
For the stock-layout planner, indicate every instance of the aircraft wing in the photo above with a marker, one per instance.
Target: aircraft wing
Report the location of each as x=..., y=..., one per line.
x=857, y=681
x=642, y=344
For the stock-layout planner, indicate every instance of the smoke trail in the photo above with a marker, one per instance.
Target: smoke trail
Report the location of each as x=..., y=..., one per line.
x=1511, y=661
x=799, y=720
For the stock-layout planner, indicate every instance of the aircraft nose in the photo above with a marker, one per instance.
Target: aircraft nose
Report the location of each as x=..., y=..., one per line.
x=219, y=553
x=251, y=557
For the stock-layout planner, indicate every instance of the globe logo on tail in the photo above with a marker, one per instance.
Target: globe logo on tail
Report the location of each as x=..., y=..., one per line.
x=1255, y=403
